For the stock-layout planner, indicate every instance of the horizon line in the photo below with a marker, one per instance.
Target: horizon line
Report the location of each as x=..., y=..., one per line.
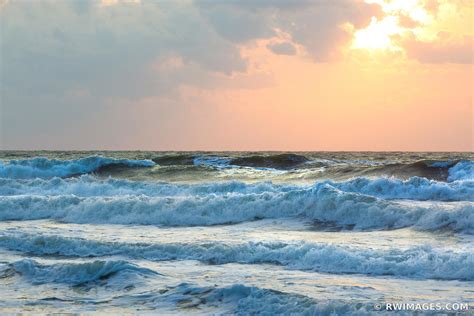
x=236, y=151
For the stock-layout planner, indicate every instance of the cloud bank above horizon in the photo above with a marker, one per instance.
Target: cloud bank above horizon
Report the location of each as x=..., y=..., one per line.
x=237, y=75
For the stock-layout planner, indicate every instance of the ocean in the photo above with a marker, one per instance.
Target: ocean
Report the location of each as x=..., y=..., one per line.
x=312, y=233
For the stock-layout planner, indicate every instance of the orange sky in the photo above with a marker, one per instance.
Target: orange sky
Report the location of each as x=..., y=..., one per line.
x=399, y=79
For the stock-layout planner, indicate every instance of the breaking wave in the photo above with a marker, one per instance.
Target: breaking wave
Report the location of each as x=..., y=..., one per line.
x=239, y=299
x=74, y=273
x=415, y=188
x=40, y=167
x=88, y=185
x=417, y=262
x=233, y=203
x=463, y=170
x=277, y=161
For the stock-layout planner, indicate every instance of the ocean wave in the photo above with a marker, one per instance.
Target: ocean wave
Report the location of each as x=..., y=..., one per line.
x=322, y=202
x=286, y=164
x=88, y=185
x=175, y=160
x=422, y=262
x=75, y=273
x=239, y=299
x=212, y=161
x=283, y=164
x=41, y=167
x=463, y=170
x=430, y=169
x=415, y=188
x=277, y=161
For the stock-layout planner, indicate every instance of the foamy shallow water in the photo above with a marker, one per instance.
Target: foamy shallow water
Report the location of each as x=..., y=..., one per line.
x=167, y=293
x=124, y=234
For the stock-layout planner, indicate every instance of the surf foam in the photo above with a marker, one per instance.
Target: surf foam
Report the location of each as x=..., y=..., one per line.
x=421, y=262
x=322, y=203
x=41, y=167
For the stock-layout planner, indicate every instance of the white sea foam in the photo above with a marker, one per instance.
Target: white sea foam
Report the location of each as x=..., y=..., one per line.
x=321, y=202
x=88, y=185
x=463, y=170
x=415, y=188
x=422, y=262
x=41, y=167
x=239, y=299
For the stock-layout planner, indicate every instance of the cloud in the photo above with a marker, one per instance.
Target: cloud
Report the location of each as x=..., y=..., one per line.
x=237, y=23
x=46, y=53
x=284, y=48
x=406, y=21
x=450, y=37
x=115, y=2
x=49, y=47
x=445, y=49
x=316, y=25
x=62, y=60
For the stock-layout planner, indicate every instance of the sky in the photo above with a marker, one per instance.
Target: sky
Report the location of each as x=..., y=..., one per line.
x=289, y=75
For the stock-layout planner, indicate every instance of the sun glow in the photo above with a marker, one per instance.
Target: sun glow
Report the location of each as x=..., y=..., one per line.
x=400, y=17
x=378, y=34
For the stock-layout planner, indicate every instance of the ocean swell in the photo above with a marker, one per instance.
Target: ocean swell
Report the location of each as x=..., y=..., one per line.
x=278, y=161
x=417, y=262
x=40, y=167
x=239, y=299
x=415, y=188
x=74, y=273
x=88, y=185
x=464, y=170
x=322, y=202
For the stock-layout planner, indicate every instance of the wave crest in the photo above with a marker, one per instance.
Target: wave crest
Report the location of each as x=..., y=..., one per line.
x=74, y=273
x=41, y=167
x=239, y=299
x=414, y=188
x=415, y=262
x=463, y=170
x=323, y=202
